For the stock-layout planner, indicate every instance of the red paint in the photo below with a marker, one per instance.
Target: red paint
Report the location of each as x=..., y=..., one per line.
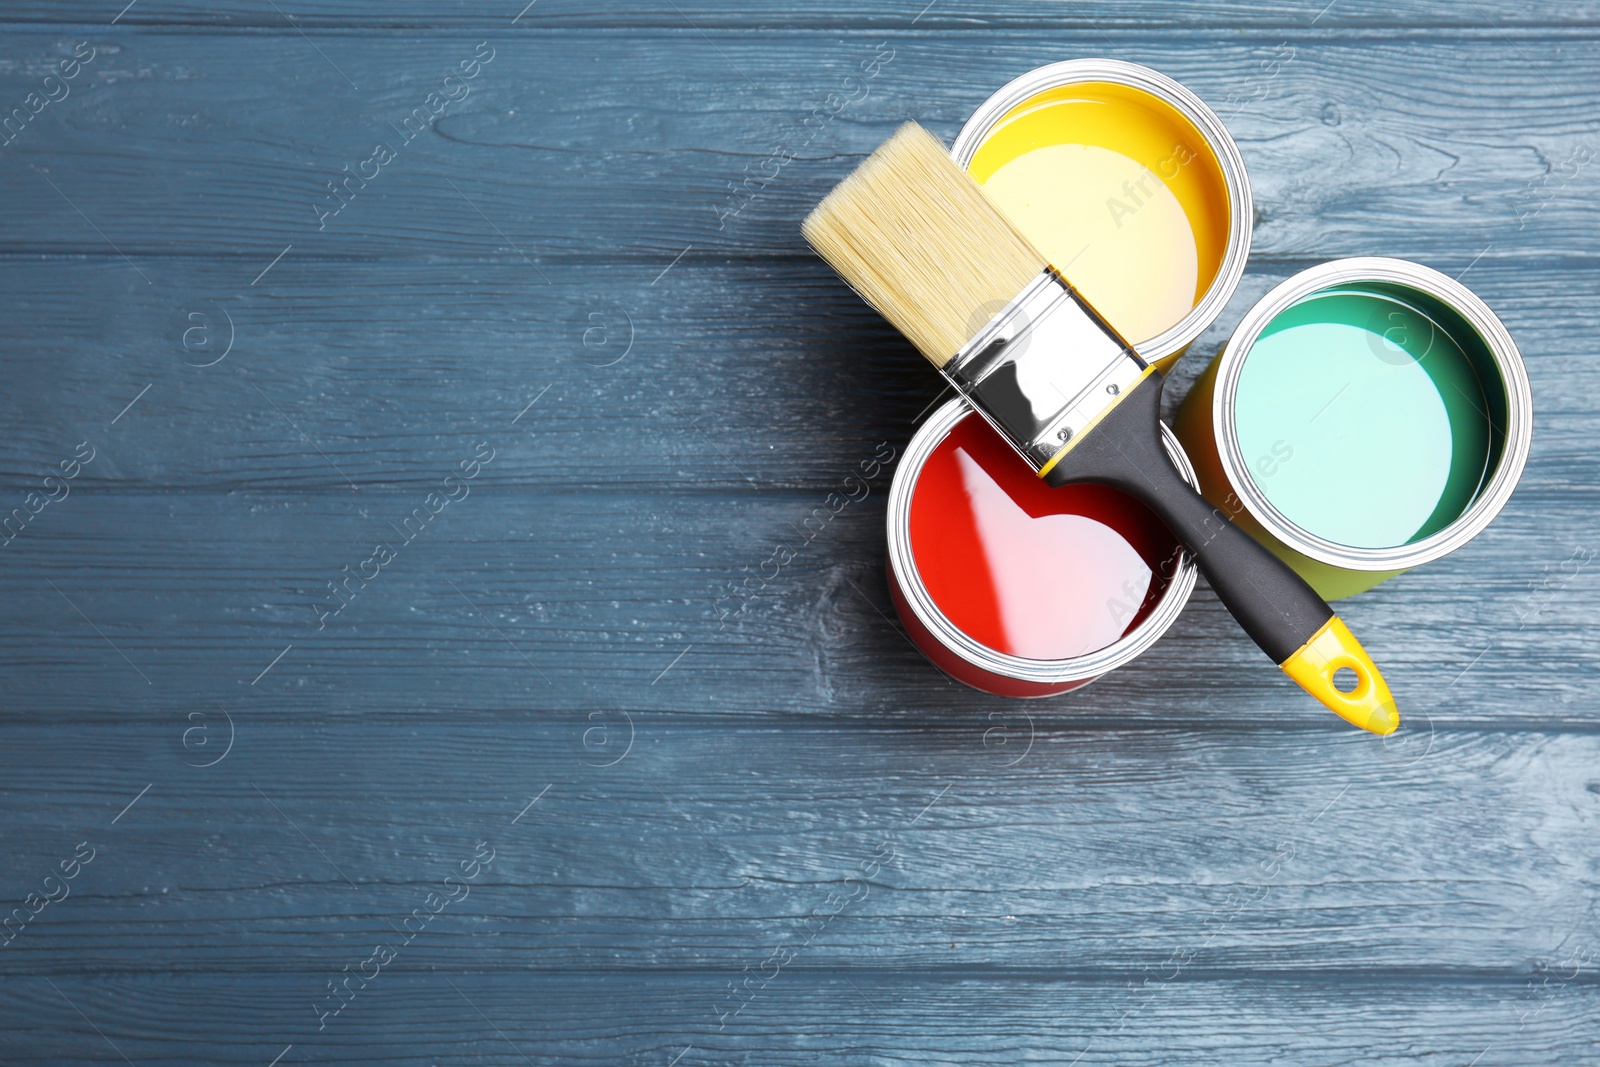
x=959, y=669
x=1027, y=570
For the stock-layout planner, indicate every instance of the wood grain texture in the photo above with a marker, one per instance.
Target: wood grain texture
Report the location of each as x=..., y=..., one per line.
x=599, y=592
x=1092, y=852
x=770, y=14
x=718, y=375
x=854, y=1016
x=676, y=759
x=1440, y=148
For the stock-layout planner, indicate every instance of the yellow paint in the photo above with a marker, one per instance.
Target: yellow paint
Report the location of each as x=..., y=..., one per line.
x=1120, y=192
x=1333, y=648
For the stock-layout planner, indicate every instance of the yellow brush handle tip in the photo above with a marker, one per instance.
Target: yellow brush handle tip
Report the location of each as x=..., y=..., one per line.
x=1369, y=705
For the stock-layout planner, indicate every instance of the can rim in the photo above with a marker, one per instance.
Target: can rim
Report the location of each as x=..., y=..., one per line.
x=1464, y=302
x=1018, y=668
x=1241, y=208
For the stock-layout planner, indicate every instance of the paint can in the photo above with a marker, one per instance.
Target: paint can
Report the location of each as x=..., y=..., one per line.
x=1016, y=588
x=1366, y=417
x=1129, y=184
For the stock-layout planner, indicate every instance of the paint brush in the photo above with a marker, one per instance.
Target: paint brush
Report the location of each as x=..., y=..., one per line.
x=915, y=235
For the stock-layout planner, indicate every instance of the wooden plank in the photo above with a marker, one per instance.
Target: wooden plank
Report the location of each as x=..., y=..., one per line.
x=853, y=1015
x=598, y=593
x=386, y=374
x=1443, y=147
x=1095, y=853
x=898, y=15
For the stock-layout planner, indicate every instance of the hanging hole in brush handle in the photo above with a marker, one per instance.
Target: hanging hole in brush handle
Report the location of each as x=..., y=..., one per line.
x=1334, y=668
x=1273, y=604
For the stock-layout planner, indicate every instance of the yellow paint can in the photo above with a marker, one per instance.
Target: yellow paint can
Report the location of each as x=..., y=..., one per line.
x=1131, y=187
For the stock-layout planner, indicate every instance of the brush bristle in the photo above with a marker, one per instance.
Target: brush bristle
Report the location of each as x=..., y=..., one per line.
x=915, y=236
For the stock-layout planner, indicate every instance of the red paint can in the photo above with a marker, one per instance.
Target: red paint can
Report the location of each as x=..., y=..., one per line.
x=1013, y=587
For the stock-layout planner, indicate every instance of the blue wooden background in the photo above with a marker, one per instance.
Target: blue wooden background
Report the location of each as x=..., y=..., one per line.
x=681, y=824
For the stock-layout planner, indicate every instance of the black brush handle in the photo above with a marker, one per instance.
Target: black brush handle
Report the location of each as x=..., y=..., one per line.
x=1273, y=604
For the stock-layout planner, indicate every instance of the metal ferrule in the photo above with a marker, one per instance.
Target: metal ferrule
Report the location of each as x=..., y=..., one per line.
x=1044, y=368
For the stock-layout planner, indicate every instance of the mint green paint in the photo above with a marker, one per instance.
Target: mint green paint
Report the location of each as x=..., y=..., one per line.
x=1362, y=420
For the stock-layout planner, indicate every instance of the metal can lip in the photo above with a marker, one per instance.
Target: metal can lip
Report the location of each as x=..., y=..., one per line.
x=1475, y=313
x=1241, y=207
x=1043, y=672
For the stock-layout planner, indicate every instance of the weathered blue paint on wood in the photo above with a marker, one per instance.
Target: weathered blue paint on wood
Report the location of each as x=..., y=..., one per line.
x=764, y=835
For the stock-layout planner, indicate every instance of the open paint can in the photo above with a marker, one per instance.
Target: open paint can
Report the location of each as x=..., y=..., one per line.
x=1016, y=588
x=1128, y=184
x=1366, y=417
